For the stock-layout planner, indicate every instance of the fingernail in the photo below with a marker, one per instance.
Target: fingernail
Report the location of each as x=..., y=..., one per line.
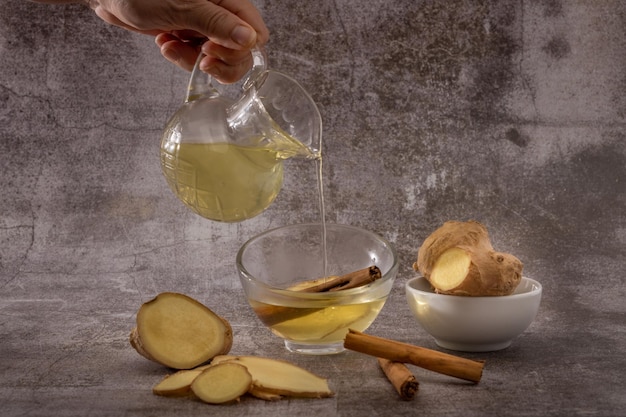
x=243, y=35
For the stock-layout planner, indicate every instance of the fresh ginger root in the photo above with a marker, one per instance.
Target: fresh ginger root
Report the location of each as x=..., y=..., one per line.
x=180, y=332
x=458, y=259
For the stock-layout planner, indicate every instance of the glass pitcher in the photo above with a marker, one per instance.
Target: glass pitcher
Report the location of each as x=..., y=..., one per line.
x=223, y=157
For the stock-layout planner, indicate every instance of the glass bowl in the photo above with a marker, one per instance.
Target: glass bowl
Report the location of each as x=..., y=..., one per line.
x=272, y=264
x=474, y=324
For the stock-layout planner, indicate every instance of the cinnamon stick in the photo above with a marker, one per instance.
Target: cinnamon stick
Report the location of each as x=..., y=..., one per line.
x=271, y=315
x=400, y=377
x=443, y=363
x=350, y=280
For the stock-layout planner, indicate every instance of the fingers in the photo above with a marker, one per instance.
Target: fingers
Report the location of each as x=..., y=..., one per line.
x=232, y=28
x=224, y=64
x=234, y=24
x=183, y=53
x=246, y=11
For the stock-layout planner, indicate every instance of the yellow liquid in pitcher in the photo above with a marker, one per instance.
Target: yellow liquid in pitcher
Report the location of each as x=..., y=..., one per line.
x=221, y=181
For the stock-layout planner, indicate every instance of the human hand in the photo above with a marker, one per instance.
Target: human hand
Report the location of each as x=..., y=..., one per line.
x=223, y=30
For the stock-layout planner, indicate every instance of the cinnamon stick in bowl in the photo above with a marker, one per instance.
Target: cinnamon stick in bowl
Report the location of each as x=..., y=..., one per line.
x=271, y=315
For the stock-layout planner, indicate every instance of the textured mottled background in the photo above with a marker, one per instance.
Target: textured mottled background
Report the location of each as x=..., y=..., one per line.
x=512, y=113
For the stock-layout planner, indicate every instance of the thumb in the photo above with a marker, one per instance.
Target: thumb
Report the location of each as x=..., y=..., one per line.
x=222, y=26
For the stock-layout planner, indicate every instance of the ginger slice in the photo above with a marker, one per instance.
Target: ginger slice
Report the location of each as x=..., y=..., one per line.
x=179, y=332
x=263, y=395
x=222, y=383
x=272, y=376
x=177, y=384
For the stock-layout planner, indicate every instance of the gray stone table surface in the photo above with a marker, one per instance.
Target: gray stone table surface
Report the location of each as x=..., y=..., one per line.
x=512, y=113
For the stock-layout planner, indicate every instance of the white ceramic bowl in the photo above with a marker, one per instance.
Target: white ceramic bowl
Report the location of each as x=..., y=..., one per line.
x=474, y=324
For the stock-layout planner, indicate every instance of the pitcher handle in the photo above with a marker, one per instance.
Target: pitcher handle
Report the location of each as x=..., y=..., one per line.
x=201, y=83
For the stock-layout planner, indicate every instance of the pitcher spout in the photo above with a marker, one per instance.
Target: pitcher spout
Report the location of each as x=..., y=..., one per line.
x=256, y=122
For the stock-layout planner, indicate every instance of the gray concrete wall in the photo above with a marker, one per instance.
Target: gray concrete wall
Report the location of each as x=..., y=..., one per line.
x=512, y=113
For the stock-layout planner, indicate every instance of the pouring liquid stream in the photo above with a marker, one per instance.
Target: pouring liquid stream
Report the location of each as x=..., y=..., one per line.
x=291, y=147
x=322, y=207
x=296, y=148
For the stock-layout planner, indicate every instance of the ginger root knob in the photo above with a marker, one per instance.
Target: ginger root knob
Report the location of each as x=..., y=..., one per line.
x=458, y=259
